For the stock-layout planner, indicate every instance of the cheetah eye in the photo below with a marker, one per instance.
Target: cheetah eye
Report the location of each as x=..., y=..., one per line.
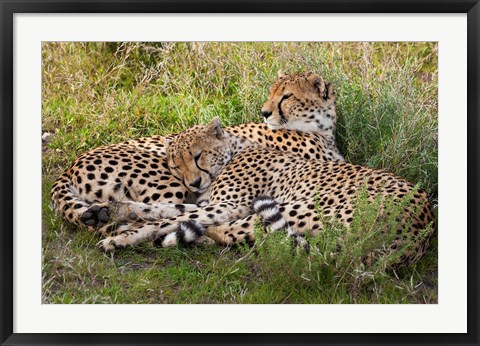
x=284, y=97
x=197, y=157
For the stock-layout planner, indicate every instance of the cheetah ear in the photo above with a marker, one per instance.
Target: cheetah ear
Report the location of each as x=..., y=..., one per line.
x=329, y=92
x=167, y=142
x=318, y=83
x=280, y=74
x=215, y=129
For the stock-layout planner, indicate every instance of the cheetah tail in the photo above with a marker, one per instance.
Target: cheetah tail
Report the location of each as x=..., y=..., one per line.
x=187, y=233
x=67, y=202
x=267, y=208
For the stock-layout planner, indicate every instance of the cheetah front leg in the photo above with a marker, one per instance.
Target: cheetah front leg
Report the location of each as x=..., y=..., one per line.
x=191, y=229
x=240, y=230
x=127, y=211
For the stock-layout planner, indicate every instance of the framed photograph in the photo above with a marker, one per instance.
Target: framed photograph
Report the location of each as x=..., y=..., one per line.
x=239, y=172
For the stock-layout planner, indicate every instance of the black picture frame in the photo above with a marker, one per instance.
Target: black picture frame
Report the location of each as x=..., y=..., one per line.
x=9, y=8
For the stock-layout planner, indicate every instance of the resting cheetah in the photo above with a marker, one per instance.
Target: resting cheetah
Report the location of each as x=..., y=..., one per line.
x=231, y=178
x=131, y=180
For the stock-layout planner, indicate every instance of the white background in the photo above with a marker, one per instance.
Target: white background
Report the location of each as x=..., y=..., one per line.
x=30, y=316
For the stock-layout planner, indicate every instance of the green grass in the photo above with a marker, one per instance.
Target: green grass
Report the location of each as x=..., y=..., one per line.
x=101, y=93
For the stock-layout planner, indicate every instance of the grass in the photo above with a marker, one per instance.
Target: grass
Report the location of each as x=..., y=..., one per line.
x=101, y=93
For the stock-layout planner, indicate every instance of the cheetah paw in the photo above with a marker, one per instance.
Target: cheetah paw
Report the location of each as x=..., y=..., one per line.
x=95, y=216
x=106, y=245
x=204, y=240
x=300, y=243
x=112, y=243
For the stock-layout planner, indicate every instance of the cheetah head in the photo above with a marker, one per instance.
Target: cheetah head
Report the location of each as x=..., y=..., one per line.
x=303, y=101
x=197, y=155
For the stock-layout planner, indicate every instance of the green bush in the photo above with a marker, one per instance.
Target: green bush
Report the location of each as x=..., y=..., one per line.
x=337, y=264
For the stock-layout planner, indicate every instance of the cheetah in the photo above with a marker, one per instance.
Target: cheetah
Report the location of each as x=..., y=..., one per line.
x=232, y=178
x=303, y=102
x=131, y=180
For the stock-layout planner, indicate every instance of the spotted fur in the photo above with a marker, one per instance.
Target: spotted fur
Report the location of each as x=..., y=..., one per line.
x=131, y=181
x=232, y=182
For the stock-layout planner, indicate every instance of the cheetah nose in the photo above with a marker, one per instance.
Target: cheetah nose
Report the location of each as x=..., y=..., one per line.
x=266, y=114
x=196, y=183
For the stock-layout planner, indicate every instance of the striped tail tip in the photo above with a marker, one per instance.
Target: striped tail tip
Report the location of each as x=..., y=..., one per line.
x=186, y=233
x=267, y=208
